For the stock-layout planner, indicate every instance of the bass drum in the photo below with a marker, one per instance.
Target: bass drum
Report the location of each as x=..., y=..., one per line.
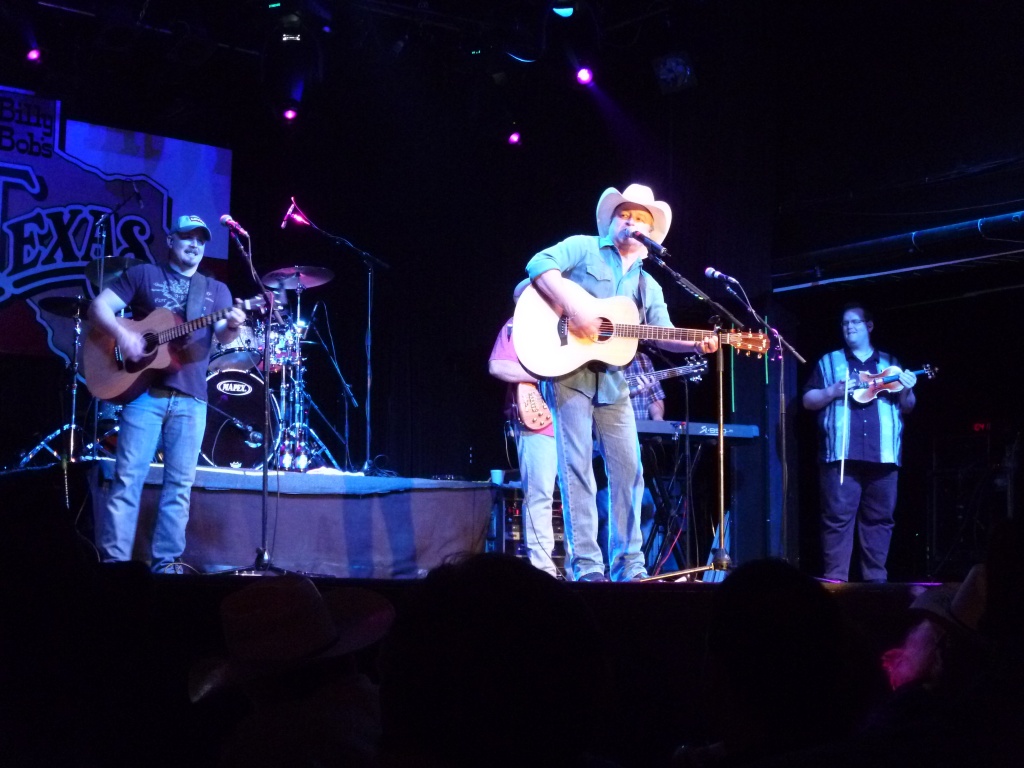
x=234, y=421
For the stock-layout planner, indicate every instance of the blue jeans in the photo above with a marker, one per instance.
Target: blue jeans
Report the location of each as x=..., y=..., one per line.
x=538, y=469
x=865, y=502
x=580, y=425
x=180, y=421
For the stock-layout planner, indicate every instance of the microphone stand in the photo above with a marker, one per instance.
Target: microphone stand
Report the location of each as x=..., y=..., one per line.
x=782, y=345
x=370, y=261
x=100, y=239
x=720, y=560
x=263, y=559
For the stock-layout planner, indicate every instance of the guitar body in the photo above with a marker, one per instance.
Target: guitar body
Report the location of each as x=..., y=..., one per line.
x=109, y=377
x=547, y=348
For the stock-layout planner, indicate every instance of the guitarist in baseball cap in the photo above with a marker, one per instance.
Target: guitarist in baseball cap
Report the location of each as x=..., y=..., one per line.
x=168, y=408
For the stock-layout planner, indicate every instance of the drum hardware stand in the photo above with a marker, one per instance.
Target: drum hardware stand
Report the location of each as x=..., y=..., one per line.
x=72, y=426
x=720, y=560
x=349, y=398
x=370, y=261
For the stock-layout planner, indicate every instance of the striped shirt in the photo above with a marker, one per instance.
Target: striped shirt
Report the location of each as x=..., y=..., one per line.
x=875, y=428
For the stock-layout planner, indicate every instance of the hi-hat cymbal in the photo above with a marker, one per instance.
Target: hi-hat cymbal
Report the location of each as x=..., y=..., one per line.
x=292, y=277
x=65, y=306
x=113, y=266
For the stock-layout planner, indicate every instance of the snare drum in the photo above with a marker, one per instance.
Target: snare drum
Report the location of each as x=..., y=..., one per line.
x=242, y=354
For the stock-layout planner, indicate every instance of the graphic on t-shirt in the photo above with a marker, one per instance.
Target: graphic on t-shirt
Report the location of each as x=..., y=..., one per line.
x=174, y=293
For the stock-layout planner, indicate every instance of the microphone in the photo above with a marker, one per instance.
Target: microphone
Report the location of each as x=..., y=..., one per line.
x=234, y=226
x=254, y=439
x=714, y=274
x=651, y=245
x=138, y=195
x=291, y=210
x=312, y=317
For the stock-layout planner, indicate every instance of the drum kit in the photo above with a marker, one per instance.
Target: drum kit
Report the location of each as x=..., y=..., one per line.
x=265, y=354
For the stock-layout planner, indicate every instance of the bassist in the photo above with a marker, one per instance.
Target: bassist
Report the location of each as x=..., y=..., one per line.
x=172, y=411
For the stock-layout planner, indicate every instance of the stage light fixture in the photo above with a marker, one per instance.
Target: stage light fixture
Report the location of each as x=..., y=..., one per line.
x=585, y=76
x=563, y=9
x=514, y=138
x=674, y=72
x=34, y=55
x=292, y=59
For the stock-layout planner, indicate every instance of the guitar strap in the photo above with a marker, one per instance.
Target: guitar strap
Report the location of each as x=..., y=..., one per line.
x=196, y=296
x=642, y=298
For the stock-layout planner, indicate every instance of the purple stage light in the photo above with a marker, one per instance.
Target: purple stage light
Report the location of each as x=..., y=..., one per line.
x=584, y=76
x=290, y=114
x=34, y=55
x=514, y=137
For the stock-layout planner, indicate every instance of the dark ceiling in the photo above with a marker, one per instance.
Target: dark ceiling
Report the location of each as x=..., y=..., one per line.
x=888, y=121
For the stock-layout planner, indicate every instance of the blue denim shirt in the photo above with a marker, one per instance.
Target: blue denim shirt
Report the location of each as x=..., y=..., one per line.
x=594, y=264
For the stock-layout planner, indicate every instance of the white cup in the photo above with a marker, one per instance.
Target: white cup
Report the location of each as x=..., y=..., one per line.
x=497, y=476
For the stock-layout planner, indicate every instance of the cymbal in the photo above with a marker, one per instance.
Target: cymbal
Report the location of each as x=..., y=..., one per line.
x=113, y=266
x=292, y=277
x=65, y=306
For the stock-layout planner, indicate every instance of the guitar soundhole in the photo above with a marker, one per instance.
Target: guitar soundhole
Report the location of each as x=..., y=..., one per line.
x=607, y=330
x=151, y=342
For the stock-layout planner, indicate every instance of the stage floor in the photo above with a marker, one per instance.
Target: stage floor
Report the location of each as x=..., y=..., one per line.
x=325, y=522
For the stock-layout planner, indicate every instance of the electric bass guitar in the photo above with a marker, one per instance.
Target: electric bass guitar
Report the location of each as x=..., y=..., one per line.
x=110, y=376
x=531, y=410
x=546, y=347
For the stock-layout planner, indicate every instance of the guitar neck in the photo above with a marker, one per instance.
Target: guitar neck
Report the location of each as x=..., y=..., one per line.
x=658, y=332
x=178, y=331
x=668, y=373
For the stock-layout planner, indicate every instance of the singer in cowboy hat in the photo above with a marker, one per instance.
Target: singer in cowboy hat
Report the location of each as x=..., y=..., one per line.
x=591, y=404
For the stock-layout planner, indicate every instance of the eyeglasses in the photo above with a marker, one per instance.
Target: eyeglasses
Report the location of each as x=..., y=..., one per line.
x=846, y=323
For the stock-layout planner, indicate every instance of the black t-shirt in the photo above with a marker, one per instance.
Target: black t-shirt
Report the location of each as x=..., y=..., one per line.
x=148, y=287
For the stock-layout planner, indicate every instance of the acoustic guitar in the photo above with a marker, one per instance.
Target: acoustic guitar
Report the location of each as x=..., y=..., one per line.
x=112, y=377
x=547, y=348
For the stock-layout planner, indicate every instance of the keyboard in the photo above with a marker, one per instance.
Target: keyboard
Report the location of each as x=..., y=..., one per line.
x=647, y=427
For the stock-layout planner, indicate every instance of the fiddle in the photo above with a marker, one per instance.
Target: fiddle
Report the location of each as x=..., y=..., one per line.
x=871, y=384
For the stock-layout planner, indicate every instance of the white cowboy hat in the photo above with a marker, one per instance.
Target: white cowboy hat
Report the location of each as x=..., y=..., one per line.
x=638, y=194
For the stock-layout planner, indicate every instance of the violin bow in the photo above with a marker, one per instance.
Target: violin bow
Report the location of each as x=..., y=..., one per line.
x=846, y=424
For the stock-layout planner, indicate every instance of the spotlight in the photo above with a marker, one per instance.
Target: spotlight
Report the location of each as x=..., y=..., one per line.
x=514, y=138
x=35, y=55
x=563, y=9
x=290, y=114
x=585, y=76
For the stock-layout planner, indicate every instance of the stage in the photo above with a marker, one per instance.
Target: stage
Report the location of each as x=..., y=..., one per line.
x=324, y=523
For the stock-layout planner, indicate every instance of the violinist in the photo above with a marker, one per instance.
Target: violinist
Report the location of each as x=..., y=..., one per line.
x=860, y=448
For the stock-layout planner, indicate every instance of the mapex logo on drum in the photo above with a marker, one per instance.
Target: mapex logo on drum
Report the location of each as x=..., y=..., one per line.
x=234, y=387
